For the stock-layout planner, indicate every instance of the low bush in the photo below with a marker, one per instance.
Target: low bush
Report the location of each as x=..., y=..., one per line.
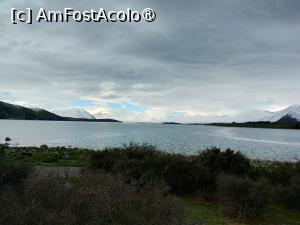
x=242, y=197
x=280, y=173
x=96, y=198
x=2, y=150
x=184, y=174
x=12, y=173
x=145, y=163
x=290, y=195
x=227, y=161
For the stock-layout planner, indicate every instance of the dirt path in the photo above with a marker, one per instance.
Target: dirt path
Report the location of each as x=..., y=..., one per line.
x=58, y=171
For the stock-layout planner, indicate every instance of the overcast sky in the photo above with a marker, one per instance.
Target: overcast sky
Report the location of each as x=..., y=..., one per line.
x=197, y=58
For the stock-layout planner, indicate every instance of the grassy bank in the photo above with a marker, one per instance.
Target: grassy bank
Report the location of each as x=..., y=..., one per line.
x=213, y=187
x=210, y=213
x=44, y=156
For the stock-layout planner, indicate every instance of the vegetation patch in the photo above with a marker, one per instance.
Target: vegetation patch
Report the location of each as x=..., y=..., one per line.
x=211, y=213
x=56, y=156
x=228, y=188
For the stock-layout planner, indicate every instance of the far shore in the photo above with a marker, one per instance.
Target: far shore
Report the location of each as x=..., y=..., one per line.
x=268, y=125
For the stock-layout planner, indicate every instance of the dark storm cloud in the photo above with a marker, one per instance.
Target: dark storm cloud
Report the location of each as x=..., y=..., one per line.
x=197, y=57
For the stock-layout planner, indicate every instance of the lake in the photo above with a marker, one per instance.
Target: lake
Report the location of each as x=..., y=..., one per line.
x=256, y=143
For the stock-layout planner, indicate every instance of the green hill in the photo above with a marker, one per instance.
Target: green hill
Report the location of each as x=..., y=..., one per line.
x=16, y=112
x=10, y=111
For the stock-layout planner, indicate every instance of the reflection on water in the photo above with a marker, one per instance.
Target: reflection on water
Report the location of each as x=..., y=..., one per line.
x=229, y=133
x=272, y=144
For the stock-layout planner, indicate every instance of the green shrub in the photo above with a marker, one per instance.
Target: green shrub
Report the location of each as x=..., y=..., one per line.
x=184, y=174
x=145, y=163
x=50, y=159
x=12, y=173
x=2, y=149
x=42, y=201
x=282, y=172
x=242, y=197
x=228, y=161
x=96, y=198
x=291, y=193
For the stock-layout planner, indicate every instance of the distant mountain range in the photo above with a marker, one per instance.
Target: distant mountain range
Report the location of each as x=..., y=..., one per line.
x=288, y=118
x=16, y=112
x=10, y=111
x=74, y=113
x=247, y=116
x=289, y=114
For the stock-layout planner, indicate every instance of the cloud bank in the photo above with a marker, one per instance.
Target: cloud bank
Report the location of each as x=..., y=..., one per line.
x=198, y=58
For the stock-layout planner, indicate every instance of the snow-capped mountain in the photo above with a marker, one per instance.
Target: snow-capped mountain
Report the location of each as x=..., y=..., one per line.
x=289, y=114
x=292, y=112
x=17, y=112
x=74, y=113
x=101, y=115
x=27, y=105
x=248, y=116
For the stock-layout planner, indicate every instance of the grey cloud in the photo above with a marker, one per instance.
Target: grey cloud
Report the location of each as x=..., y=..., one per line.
x=202, y=56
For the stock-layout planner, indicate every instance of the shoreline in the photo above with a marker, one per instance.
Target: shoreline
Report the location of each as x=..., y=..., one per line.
x=277, y=126
x=77, y=156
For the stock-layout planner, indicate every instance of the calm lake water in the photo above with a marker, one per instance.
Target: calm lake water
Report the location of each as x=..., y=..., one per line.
x=256, y=143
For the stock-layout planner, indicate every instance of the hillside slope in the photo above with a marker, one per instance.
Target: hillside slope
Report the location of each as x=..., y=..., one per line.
x=16, y=112
x=10, y=111
x=292, y=112
x=74, y=113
